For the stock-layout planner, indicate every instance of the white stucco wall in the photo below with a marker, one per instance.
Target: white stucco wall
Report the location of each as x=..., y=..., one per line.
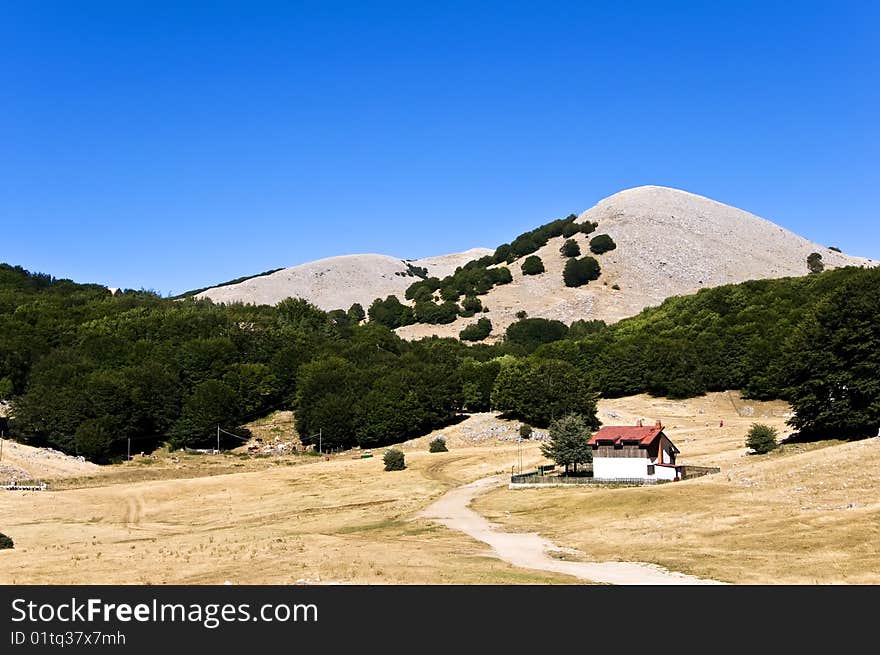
x=614, y=468
x=664, y=472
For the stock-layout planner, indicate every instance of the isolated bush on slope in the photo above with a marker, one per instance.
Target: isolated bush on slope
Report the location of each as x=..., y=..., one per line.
x=394, y=460
x=532, y=265
x=437, y=445
x=761, y=438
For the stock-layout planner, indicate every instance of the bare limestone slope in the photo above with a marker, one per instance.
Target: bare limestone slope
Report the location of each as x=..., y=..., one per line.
x=339, y=282
x=669, y=242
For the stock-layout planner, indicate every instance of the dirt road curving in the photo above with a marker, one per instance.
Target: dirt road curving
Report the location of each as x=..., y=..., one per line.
x=531, y=551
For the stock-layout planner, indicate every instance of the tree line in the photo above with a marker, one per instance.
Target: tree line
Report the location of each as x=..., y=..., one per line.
x=86, y=370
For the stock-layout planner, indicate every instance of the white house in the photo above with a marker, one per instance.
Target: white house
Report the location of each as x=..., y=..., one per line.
x=634, y=453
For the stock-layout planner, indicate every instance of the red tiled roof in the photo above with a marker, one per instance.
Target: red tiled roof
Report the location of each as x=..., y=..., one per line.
x=626, y=433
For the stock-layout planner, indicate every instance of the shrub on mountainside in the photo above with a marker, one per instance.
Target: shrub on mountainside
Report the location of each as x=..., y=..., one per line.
x=570, y=248
x=476, y=331
x=390, y=312
x=5, y=542
x=601, y=244
x=570, y=229
x=588, y=228
x=815, y=263
x=532, y=265
x=578, y=272
x=761, y=438
x=525, y=431
x=472, y=279
x=437, y=314
x=394, y=460
x=470, y=306
x=437, y=445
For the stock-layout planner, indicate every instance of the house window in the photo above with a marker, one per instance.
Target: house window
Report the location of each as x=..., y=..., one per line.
x=650, y=469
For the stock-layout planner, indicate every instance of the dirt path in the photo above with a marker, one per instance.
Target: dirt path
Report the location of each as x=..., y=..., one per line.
x=531, y=551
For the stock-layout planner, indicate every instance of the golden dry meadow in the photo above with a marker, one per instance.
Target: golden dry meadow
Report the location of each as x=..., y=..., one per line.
x=807, y=513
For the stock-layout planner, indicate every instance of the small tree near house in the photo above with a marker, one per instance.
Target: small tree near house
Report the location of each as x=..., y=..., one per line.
x=394, y=460
x=761, y=438
x=568, y=442
x=525, y=431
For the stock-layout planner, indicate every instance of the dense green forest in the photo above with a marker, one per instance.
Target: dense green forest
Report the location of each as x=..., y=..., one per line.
x=86, y=370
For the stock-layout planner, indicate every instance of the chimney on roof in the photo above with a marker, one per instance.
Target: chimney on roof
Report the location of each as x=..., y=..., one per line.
x=658, y=424
x=640, y=423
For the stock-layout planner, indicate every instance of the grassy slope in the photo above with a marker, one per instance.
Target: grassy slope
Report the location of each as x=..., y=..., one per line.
x=805, y=514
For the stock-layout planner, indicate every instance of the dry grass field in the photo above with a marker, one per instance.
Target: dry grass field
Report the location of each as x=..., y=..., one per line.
x=805, y=514
x=209, y=519
x=808, y=513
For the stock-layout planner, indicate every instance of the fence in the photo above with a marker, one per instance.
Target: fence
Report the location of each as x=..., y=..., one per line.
x=689, y=471
x=535, y=478
x=24, y=485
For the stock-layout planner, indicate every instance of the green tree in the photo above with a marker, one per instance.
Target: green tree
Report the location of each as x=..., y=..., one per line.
x=602, y=243
x=815, y=263
x=437, y=445
x=525, y=431
x=539, y=391
x=525, y=335
x=5, y=542
x=582, y=328
x=588, y=228
x=328, y=396
x=394, y=460
x=470, y=306
x=356, y=313
x=391, y=312
x=832, y=361
x=477, y=380
x=94, y=439
x=434, y=313
x=476, y=331
x=301, y=314
x=578, y=272
x=212, y=403
x=568, y=442
x=570, y=248
x=761, y=438
x=570, y=229
x=532, y=265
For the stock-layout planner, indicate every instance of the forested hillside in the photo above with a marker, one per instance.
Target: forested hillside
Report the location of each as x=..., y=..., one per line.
x=86, y=370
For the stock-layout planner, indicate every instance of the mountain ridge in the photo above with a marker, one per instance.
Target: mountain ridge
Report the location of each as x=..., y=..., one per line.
x=669, y=242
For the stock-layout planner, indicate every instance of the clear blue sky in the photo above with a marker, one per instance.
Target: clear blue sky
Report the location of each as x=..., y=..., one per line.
x=174, y=145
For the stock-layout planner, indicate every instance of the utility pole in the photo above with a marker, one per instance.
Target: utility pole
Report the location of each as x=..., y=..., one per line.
x=218, y=439
x=2, y=434
x=320, y=430
x=128, y=458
